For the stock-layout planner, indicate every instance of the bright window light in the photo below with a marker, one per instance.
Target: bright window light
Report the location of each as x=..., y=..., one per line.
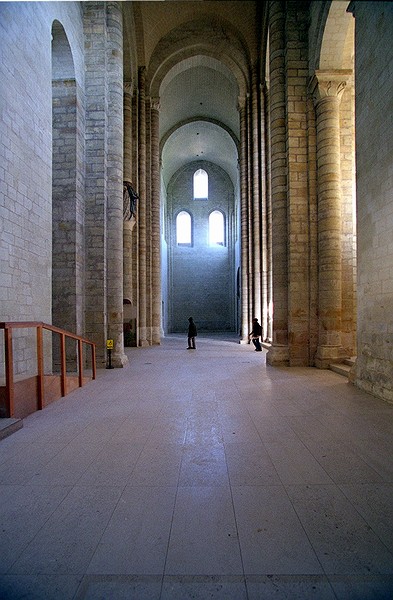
x=201, y=188
x=216, y=228
x=183, y=228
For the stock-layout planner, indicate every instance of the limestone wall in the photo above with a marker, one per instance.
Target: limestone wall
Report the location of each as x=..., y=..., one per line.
x=201, y=277
x=374, y=152
x=26, y=159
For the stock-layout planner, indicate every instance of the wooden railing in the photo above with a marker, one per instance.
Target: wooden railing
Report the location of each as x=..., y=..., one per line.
x=8, y=328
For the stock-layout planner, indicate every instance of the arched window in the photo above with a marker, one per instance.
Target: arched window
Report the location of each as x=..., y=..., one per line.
x=216, y=229
x=183, y=229
x=201, y=186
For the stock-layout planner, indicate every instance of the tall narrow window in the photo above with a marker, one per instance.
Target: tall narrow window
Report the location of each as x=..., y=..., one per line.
x=201, y=187
x=216, y=229
x=183, y=229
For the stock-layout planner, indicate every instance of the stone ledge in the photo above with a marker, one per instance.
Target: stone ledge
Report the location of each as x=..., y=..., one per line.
x=343, y=368
x=9, y=426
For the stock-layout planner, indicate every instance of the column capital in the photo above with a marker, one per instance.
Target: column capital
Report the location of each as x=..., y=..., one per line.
x=127, y=87
x=155, y=103
x=329, y=84
x=241, y=102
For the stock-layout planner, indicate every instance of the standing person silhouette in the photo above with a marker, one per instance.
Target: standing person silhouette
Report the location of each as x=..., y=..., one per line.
x=192, y=333
x=255, y=334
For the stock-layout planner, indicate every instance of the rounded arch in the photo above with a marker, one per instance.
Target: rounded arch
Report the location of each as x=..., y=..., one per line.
x=216, y=228
x=173, y=130
x=201, y=184
x=62, y=60
x=221, y=42
x=67, y=188
x=332, y=38
x=183, y=228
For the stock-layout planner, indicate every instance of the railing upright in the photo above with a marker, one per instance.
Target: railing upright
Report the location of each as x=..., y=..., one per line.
x=40, y=368
x=9, y=371
x=9, y=366
x=93, y=361
x=63, y=362
x=80, y=362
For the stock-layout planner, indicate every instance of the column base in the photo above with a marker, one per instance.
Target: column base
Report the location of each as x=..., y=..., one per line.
x=118, y=360
x=278, y=356
x=326, y=355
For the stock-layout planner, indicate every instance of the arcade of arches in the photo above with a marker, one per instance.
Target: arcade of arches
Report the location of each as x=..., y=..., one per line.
x=109, y=109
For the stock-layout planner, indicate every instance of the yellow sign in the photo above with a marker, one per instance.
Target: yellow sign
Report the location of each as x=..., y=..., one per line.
x=109, y=344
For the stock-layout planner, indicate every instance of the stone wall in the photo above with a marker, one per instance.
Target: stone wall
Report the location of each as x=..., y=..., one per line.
x=201, y=277
x=26, y=162
x=374, y=152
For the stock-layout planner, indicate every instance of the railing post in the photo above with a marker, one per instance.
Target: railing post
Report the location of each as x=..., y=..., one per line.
x=63, y=375
x=9, y=372
x=93, y=360
x=40, y=368
x=80, y=362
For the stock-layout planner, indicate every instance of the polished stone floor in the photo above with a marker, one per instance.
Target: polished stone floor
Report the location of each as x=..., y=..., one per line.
x=202, y=474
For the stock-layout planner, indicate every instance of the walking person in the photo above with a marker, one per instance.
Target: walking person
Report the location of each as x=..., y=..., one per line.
x=192, y=333
x=255, y=334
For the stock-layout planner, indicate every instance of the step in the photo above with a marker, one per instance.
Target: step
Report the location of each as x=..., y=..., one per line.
x=9, y=426
x=344, y=367
x=340, y=368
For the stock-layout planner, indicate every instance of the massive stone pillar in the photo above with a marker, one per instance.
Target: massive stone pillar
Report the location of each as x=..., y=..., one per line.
x=244, y=222
x=95, y=207
x=129, y=219
x=298, y=214
x=103, y=27
x=265, y=266
x=256, y=202
x=155, y=223
x=327, y=89
x=278, y=354
x=142, y=244
x=115, y=181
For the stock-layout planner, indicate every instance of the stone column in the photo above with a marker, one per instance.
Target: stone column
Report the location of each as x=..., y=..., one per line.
x=244, y=223
x=327, y=89
x=155, y=219
x=114, y=20
x=94, y=19
x=127, y=144
x=278, y=354
x=135, y=179
x=149, y=288
x=142, y=207
x=269, y=246
x=256, y=208
x=129, y=220
x=264, y=218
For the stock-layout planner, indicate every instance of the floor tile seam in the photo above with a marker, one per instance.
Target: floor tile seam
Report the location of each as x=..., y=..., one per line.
x=301, y=524
x=235, y=519
x=43, y=525
x=265, y=445
x=311, y=454
x=363, y=518
x=336, y=486
x=357, y=451
x=310, y=450
x=170, y=532
x=174, y=507
x=109, y=518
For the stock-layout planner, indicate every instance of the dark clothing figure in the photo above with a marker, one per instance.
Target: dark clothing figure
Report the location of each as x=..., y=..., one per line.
x=256, y=334
x=192, y=333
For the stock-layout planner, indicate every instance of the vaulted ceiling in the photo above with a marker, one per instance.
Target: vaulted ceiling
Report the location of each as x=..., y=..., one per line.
x=198, y=58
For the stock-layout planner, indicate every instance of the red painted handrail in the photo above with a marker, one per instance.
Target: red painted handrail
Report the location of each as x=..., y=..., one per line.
x=39, y=326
